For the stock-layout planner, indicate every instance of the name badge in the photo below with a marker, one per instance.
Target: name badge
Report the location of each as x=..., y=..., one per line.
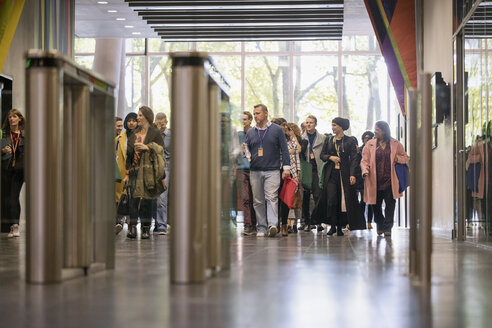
x=260, y=152
x=312, y=155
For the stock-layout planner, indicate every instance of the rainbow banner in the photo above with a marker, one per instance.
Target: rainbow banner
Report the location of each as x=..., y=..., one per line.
x=394, y=26
x=10, y=12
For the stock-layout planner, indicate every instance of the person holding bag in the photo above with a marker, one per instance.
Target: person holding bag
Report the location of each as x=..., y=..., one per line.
x=145, y=164
x=294, y=152
x=380, y=180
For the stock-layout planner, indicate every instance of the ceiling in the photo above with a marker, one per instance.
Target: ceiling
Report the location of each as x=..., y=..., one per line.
x=221, y=20
x=480, y=23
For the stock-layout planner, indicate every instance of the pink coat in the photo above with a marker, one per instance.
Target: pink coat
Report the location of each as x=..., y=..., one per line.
x=368, y=166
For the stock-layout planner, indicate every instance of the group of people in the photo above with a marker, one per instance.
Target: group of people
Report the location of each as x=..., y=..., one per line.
x=143, y=157
x=337, y=181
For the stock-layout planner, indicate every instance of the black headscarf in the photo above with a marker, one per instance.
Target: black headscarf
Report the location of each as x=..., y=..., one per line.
x=342, y=122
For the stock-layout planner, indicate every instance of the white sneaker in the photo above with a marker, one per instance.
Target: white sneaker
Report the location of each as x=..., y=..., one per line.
x=118, y=228
x=260, y=234
x=14, y=231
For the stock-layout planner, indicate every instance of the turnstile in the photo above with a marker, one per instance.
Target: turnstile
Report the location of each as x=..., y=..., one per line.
x=200, y=236
x=69, y=169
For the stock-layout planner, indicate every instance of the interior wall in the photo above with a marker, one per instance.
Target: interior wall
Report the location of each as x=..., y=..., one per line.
x=438, y=57
x=24, y=39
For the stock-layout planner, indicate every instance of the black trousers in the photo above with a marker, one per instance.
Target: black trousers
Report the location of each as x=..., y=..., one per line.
x=384, y=222
x=283, y=209
x=306, y=197
x=334, y=190
x=143, y=208
x=12, y=181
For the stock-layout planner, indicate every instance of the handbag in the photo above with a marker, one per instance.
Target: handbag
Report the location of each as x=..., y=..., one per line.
x=288, y=192
x=123, y=207
x=402, y=175
x=306, y=174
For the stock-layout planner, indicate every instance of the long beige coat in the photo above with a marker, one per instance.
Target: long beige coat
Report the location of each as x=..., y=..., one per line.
x=368, y=166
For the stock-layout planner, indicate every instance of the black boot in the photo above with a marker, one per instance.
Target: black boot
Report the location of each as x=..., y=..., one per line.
x=339, y=231
x=132, y=231
x=145, y=232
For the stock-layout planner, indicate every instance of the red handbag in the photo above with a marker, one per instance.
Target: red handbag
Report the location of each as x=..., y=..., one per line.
x=288, y=192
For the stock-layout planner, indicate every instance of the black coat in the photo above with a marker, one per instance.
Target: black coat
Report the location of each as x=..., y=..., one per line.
x=349, y=166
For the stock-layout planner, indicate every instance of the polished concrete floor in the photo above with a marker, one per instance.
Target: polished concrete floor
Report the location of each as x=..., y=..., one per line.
x=303, y=280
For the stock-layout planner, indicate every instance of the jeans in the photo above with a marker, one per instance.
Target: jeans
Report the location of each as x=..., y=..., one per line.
x=161, y=217
x=385, y=223
x=265, y=185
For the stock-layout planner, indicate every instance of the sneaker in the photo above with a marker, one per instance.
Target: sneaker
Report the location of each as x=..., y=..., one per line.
x=118, y=228
x=307, y=228
x=260, y=234
x=272, y=231
x=160, y=232
x=320, y=228
x=294, y=230
x=249, y=231
x=14, y=231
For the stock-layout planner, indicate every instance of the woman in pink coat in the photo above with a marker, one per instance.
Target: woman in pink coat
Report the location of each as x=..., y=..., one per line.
x=378, y=170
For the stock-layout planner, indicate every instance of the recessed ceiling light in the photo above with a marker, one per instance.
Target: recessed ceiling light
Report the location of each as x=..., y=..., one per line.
x=136, y=33
x=112, y=11
x=102, y=2
x=120, y=19
x=129, y=26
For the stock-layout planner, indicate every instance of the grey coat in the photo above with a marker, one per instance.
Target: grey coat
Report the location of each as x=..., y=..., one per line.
x=317, y=147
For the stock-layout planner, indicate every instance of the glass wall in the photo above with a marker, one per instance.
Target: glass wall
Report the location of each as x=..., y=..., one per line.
x=478, y=139
x=294, y=79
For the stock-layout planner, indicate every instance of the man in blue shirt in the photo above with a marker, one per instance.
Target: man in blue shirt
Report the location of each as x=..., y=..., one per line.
x=266, y=144
x=161, y=217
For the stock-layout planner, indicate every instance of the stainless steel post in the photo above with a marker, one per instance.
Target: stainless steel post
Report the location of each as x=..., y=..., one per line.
x=77, y=220
x=44, y=146
x=412, y=127
x=460, y=136
x=189, y=103
x=103, y=178
x=425, y=162
x=213, y=179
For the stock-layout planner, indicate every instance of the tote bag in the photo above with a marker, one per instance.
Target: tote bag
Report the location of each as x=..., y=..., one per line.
x=288, y=193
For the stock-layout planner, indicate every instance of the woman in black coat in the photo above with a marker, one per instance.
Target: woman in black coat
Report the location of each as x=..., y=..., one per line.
x=338, y=204
x=12, y=149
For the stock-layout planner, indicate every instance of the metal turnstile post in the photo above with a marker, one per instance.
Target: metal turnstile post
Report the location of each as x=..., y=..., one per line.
x=213, y=178
x=44, y=198
x=189, y=121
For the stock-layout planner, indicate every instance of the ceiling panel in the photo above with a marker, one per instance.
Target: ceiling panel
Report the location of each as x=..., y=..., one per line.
x=237, y=20
x=242, y=19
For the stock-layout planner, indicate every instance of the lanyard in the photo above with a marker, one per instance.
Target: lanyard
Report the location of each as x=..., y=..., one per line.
x=336, y=146
x=14, y=146
x=260, y=137
x=314, y=141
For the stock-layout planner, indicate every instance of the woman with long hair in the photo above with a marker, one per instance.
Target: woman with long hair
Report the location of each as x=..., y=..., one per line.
x=380, y=180
x=12, y=148
x=139, y=143
x=295, y=135
x=120, y=142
